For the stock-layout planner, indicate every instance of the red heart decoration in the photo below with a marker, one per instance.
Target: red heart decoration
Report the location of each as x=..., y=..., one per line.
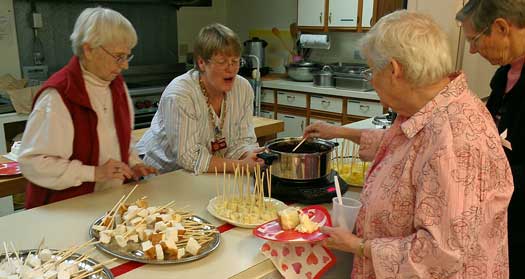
x=297, y=267
x=309, y=275
x=274, y=253
x=265, y=247
x=284, y=267
x=299, y=250
x=286, y=251
x=326, y=259
x=312, y=259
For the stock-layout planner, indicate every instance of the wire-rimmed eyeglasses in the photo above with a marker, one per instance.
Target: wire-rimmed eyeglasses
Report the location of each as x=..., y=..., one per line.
x=224, y=63
x=120, y=59
x=474, y=40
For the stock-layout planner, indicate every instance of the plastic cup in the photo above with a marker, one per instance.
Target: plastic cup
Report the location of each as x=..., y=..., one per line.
x=344, y=215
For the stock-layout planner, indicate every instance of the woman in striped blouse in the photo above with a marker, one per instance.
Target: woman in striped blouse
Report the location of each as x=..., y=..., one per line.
x=204, y=119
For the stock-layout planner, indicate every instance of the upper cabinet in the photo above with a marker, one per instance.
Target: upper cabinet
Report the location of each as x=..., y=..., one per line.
x=342, y=15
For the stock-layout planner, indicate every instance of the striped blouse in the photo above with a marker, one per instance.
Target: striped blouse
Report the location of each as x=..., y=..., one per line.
x=180, y=132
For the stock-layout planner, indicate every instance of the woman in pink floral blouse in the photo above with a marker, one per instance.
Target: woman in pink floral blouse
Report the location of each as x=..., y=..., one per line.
x=436, y=195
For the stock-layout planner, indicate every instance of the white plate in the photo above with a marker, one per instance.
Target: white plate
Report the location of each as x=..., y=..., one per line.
x=278, y=205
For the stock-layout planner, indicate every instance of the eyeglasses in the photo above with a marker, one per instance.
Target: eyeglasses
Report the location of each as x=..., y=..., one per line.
x=474, y=40
x=120, y=59
x=224, y=63
x=368, y=74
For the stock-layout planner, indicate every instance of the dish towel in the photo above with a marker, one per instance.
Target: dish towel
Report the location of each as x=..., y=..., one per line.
x=299, y=260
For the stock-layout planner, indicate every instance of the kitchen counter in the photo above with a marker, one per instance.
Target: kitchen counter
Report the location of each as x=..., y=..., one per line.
x=265, y=129
x=66, y=223
x=308, y=86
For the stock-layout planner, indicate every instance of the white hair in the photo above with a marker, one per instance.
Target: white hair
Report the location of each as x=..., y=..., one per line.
x=99, y=26
x=415, y=41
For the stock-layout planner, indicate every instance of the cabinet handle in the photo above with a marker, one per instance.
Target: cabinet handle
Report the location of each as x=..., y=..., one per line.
x=291, y=117
x=325, y=103
x=321, y=17
x=330, y=18
x=364, y=107
x=302, y=125
x=290, y=98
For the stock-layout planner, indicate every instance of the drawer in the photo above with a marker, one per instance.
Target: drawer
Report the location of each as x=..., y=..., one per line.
x=267, y=96
x=364, y=108
x=291, y=99
x=323, y=103
x=267, y=114
x=333, y=122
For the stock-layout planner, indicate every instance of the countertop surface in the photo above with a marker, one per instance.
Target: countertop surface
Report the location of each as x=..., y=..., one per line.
x=307, y=86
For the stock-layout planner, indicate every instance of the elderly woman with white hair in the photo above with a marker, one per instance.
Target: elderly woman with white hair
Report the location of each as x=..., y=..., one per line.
x=78, y=135
x=436, y=195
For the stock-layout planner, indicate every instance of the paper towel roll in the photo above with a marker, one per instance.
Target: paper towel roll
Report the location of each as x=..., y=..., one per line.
x=314, y=41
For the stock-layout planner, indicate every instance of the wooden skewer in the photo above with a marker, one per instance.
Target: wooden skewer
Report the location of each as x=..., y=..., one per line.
x=300, y=143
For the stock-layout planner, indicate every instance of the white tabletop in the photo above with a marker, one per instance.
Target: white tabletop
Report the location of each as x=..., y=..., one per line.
x=66, y=223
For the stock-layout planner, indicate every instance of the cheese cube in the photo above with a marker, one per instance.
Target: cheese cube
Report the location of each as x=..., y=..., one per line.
x=180, y=253
x=159, y=252
x=121, y=240
x=105, y=236
x=289, y=218
x=193, y=246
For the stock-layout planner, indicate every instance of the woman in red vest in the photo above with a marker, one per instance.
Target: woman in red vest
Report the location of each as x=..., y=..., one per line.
x=78, y=136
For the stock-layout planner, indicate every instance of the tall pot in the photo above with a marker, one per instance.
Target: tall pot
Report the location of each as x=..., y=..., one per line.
x=312, y=160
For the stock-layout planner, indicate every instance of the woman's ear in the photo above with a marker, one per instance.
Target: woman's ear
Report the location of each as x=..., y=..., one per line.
x=87, y=51
x=396, y=69
x=201, y=64
x=500, y=26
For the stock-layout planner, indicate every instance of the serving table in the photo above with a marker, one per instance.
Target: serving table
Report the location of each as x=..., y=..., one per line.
x=66, y=223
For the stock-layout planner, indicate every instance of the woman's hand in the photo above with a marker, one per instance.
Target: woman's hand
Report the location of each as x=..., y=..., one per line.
x=341, y=239
x=112, y=169
x=251, y=160
x=321, y=130
x=140, y=170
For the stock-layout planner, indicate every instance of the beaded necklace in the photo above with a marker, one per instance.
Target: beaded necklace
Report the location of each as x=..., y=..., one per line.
x=217, y=129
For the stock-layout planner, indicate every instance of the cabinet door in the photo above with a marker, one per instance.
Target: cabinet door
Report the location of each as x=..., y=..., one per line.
x=293, y=125
x=342, y=13
x=368, y=12
x=310, y=12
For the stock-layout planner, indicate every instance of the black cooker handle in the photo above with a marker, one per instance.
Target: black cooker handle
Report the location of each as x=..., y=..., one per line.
x=267, y=157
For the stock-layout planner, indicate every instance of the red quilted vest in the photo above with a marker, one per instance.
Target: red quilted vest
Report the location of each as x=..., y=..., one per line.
x=70, y=84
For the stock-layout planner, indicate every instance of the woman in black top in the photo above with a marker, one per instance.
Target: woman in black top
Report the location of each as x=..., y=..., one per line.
x=496, y=30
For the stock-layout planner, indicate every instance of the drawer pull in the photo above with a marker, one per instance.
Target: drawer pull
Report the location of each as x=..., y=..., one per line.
x=364, y=107
x=290, y=98
x=325, y=103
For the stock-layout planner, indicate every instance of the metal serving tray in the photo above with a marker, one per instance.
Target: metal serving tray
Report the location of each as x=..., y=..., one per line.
x=133, y=251
x=86, y=264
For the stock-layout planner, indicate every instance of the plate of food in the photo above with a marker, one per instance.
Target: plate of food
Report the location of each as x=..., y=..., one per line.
x=154, y=234
x=50, y=263
x=296, y=225
x=11, y=168
x=246, y=212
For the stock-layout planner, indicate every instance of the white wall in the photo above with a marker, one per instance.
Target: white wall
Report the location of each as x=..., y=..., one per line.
x=9, y=60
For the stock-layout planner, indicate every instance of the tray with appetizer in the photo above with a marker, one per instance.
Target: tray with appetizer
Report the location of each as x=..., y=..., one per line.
x=296, y=225
x=153, y=234
x=241, y=205
x=50, y=263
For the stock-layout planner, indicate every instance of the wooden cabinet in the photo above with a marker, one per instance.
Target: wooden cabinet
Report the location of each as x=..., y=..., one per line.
x=298, y=109
x=342, y=15
x=310, y=13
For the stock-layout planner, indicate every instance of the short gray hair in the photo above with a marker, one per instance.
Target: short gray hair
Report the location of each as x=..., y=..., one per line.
x=99, y=26
x=214, y=39
x=481, y=13
x=412, y=39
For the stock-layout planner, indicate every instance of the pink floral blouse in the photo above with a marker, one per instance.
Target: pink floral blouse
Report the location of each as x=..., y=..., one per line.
x=435, y=199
